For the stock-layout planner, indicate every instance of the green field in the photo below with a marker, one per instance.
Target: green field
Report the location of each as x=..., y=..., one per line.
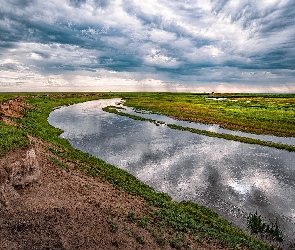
x=166, y=217
x=254, y=113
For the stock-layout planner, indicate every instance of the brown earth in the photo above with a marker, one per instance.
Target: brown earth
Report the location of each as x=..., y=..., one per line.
x=67, y=209
x=12, y=108
x=58, y=206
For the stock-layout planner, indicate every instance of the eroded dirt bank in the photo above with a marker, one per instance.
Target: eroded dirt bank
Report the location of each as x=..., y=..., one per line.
x=64, y=209
x=55, y=208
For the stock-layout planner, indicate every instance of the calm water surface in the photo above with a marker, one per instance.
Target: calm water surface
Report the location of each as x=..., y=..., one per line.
x=232, y=178
x=208, y=127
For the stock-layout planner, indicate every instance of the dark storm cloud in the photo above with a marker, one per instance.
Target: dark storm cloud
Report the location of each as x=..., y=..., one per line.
x=98, y=3
x=24, y=29
x=102, y=3
x=77, y=3
x=284, y=22
x=21, y=3
x=219, y=5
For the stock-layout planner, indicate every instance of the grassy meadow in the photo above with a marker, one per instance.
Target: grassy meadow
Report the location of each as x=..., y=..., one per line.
x=267, y=114
x=254, y=113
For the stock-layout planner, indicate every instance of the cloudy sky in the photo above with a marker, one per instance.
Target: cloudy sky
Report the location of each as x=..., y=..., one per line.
x=150, y=45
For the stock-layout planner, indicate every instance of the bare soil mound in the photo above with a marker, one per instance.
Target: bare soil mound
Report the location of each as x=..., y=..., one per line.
x=65, y=209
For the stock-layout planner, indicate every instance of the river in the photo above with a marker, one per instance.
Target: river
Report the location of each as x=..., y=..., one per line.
x=230, y=177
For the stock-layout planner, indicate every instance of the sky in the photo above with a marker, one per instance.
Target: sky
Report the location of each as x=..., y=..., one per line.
x=150, y=45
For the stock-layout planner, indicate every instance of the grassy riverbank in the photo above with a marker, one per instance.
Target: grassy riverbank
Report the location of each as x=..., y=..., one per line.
x=272, y=114
x=177, y=225
x=114, y=110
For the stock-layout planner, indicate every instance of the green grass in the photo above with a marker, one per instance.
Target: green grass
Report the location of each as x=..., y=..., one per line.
x=59, y=163
x=12, y=138
x=176, y=219
x=264, y=229
x=254, y=113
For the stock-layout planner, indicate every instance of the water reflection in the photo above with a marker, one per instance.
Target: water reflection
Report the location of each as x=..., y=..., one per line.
x=231, y=177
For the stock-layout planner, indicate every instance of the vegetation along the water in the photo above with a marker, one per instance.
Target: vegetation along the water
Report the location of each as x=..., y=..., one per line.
x=272, y=114
x=170, y=223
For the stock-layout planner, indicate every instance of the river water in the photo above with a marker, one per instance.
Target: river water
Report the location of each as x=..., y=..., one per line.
x=230, y=177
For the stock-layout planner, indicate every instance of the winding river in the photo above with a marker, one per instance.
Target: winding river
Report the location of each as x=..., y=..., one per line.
x=230, y=177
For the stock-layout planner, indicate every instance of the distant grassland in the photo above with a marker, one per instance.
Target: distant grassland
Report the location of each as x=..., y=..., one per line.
x=272, y=114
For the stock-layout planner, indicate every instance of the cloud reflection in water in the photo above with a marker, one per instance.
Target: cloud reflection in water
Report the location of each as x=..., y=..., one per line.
x=231, y=177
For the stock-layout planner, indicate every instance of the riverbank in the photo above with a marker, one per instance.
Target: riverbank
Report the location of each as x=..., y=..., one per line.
x=126, y=212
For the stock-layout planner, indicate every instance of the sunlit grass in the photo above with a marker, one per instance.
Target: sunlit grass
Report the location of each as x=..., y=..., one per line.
x=261, y=114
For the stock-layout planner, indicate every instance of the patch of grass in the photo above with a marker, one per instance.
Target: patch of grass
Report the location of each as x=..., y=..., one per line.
x=59, y=163
x=179, y=242
x=159, y=237
x=111, y=109
x=126, y=231
x=254, y=113
x=235, y=138
x=12, y=137
x=264, y=229
x=58, y=153
x=131, y=216
x=144, y=222
x=5, y=97
x=188, y=217
x=140, y=240
x=114, y=226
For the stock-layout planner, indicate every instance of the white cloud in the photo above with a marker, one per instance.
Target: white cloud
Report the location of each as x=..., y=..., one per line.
x=156, y=57
x=162, y=36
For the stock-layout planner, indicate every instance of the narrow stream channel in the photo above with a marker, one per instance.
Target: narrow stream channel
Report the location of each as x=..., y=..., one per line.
x=230, y=177
x=208, y=127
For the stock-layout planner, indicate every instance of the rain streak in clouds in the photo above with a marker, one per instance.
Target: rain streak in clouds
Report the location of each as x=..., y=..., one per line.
x=175, y=45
